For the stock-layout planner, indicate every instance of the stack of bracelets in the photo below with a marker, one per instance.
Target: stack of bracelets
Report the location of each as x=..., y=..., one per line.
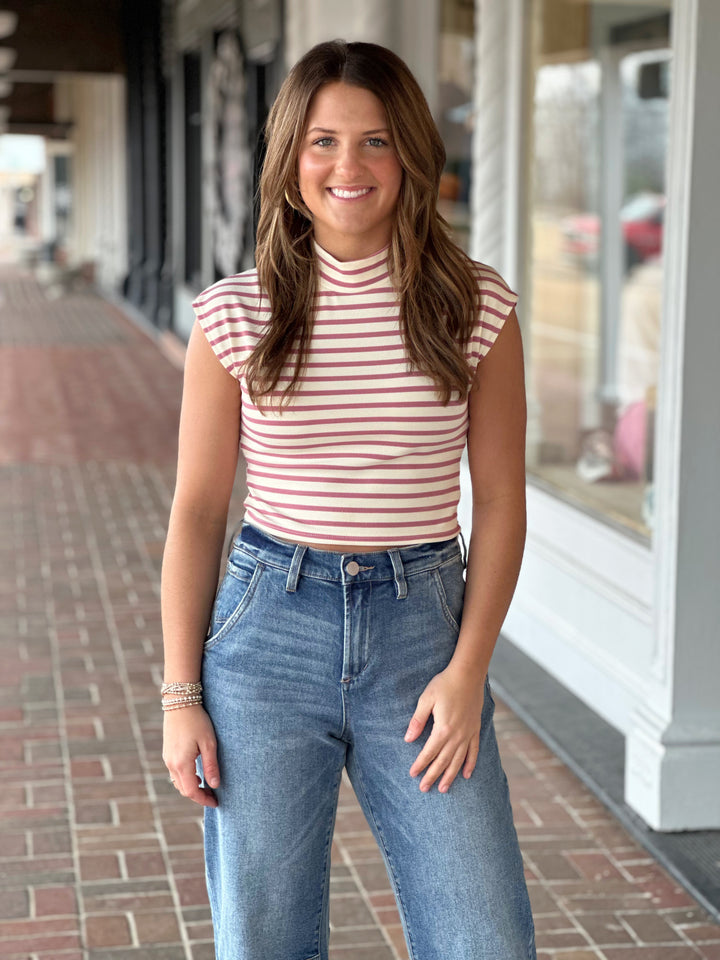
x=176, y=695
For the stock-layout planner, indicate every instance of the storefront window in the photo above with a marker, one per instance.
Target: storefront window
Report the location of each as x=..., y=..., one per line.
x=601, y=77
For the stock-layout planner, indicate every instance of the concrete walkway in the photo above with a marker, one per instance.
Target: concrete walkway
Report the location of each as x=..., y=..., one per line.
x=99, y=858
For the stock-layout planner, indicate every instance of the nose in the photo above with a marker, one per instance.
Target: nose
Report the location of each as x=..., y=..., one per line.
x=348, y=162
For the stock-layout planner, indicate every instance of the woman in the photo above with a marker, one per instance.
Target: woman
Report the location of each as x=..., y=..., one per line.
x=351, y=366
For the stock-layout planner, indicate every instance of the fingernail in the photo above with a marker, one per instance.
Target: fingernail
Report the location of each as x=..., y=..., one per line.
x=443, y=788
x=407, y=736
x=213, y=781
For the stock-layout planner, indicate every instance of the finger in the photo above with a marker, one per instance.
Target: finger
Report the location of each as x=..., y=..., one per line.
x=202, y=795
x=211, y=772
x=187, y=784
x=434, y=744
x=190, y=788
x=453, y=768
x=436, y=768
x=472, y=755
x=418, y=720
x=428, y=753
x=177, y=775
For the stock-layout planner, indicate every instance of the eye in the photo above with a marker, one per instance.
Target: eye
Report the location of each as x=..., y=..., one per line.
x=377, y=142
x=323, y=142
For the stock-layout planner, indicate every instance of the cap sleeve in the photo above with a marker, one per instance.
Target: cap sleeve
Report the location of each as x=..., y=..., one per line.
x=228, y=312
x=496, y=302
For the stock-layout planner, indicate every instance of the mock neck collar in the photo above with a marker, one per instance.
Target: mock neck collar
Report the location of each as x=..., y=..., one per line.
x=349, y=274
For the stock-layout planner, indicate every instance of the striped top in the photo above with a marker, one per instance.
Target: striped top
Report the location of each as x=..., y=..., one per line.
x=366, y=452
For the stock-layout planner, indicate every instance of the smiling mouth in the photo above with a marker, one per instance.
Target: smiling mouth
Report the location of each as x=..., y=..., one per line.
x=349, y=194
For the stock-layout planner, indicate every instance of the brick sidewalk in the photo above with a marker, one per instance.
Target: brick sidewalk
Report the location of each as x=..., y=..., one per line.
x=100, y=859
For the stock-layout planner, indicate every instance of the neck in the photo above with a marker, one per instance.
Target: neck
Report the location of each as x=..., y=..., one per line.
x=348, y=249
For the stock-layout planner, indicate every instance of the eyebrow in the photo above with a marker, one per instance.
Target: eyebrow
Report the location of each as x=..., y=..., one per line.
x=365, y=133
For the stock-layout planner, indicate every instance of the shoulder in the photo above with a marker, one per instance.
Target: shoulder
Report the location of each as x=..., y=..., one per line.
x=232, y=314
x=493, y=291
x=495, y=302
x=238, y=292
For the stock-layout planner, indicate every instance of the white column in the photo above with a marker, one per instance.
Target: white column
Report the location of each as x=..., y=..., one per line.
x=612, y=242
x=46, y=185
x=409, y=27
x=491, y=158
x=673, y=746
x=418, y=34
x=308, y=22
x=96, y=106
x=502, y=150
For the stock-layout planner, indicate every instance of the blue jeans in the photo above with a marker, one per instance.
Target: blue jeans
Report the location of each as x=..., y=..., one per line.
x=314, y=662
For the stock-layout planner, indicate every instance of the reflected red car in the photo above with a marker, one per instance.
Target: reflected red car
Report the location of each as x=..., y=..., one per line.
x=641, y=219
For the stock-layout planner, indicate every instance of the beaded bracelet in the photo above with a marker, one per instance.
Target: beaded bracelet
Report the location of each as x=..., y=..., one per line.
x=178, y=687
x=180, y=702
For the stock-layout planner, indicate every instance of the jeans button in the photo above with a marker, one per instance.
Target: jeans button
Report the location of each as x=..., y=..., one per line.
x=352, y=568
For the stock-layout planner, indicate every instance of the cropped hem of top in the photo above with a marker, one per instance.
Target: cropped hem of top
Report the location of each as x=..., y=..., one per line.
x=365, y=452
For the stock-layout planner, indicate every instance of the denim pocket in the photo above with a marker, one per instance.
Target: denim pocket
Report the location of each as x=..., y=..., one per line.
x=450, y=588
x=242, y=574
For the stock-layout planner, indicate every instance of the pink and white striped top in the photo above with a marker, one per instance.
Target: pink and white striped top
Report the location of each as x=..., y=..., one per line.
x=365, y=453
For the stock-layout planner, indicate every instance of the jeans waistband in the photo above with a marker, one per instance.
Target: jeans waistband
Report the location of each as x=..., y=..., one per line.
x=394, y=563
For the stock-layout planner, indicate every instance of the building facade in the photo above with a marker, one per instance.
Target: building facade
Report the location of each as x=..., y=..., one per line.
x=604, y=130
x=63, y=81
x=225, y=66
x=580, y=140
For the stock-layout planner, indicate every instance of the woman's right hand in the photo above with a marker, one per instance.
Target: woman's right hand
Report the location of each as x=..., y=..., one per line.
x=186, y=733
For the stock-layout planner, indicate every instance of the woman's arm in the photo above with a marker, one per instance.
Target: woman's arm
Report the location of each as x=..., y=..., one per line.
x=207, y=461
x=496, y=454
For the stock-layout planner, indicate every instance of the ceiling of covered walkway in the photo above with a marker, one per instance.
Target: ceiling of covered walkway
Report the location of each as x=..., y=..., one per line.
x=42, y=39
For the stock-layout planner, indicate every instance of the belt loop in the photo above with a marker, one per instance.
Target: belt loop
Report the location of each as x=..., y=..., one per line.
x=399, y=571
x=234, y=536
x=294, y=571
x=464, y=549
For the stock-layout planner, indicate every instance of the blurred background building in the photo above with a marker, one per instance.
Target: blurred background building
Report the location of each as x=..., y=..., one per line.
x=582, y=138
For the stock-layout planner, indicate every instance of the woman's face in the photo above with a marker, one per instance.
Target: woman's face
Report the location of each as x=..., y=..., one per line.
x=348, y=171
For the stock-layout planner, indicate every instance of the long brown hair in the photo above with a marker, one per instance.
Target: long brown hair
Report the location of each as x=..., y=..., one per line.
x=434, y=278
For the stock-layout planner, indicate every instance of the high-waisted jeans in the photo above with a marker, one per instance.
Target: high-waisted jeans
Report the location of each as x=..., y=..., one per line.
x=315, y=662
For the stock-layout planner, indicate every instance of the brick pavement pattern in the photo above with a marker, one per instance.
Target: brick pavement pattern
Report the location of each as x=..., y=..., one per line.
x=99, y=858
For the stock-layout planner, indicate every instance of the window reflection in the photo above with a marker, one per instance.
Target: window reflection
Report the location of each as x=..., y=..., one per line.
x=601, y=75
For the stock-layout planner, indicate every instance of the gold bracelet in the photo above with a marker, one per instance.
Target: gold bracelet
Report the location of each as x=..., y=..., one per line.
x=180, y=702
x=181, y=688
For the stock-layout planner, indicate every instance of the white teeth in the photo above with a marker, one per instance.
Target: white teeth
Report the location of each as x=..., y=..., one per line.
x=349, y=194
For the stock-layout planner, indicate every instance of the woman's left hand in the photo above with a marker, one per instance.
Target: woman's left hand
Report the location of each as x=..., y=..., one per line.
x=455, y=700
